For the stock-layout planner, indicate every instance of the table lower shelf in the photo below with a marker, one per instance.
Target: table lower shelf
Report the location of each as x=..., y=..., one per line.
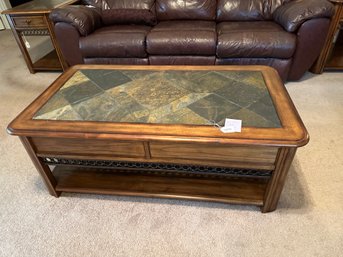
x=107, y=181
x=335, y=61
x=48, y=62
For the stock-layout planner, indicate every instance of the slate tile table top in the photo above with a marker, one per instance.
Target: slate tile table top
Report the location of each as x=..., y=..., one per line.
x=150, y=131
x=166, y=97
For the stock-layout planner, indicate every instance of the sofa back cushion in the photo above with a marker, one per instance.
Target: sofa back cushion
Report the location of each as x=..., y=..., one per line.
x=247, y=10
x=186, y=9
x=120, y=4
x=125, y=11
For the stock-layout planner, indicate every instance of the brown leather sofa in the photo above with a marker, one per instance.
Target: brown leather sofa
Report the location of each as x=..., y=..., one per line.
x=284, y=34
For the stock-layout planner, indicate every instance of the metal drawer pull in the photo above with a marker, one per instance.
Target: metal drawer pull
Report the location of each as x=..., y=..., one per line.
x=28, y=21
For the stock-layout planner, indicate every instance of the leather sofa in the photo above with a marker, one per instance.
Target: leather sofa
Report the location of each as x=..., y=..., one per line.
x=284, y=34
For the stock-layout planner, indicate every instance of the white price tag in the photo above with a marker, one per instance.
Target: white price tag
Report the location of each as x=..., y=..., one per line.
x=231, y=126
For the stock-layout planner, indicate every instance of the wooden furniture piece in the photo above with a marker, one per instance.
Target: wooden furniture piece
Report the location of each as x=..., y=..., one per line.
x=32, y=19
x=149, y=131
x=331, y=56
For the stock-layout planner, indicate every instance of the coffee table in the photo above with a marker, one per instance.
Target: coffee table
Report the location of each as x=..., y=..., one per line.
x=153, y=131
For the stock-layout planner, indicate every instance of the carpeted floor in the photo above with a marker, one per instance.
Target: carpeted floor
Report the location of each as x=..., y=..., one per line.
x=308, y=221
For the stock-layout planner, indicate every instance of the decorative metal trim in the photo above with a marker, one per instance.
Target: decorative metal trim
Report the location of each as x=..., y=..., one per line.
x=35, y=32
x=159, y=168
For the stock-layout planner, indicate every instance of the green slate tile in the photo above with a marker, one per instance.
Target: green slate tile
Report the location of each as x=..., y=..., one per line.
x=153, y=92
x=214, y=108
x=183, y=116
x=252, y=119
x=241, y=94
x=128, y=109
x=80, y=92
x=185, y=74
x=57, y=101
x=106, y=79
x=143, y=119
x=95, y=108
x=183, y=84
x=253, y=78
x=209, y=83
x=137, y=74
x=105, y=108
x=64, y=113
x=266, y=109
x=159, y=112
x=77, y=78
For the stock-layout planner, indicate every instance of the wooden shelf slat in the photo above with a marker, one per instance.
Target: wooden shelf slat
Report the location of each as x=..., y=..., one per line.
x=48, y=62
x=91, y=180
x=336, y=59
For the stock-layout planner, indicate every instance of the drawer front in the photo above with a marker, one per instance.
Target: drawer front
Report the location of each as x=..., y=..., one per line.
x=29, y=22
x=87, y=147
x=211, y=152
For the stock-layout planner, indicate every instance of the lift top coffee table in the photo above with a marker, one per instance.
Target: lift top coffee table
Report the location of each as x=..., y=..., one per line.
x=150, y=131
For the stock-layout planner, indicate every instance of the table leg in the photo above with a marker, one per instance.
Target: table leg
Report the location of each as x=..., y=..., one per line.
x=21, y=45
x=277, y=181
x=55, y=43
x=41, y=167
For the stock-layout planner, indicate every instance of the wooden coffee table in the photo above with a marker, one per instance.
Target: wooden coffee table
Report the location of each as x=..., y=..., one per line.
x=149, y=131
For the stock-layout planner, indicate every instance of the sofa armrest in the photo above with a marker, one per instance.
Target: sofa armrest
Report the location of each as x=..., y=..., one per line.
x=292, y=14
x=85, y=19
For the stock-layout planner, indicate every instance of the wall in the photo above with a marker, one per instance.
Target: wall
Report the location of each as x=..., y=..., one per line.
x=4, y=5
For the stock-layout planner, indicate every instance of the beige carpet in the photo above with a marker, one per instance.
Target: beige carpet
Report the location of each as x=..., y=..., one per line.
x=308, y=221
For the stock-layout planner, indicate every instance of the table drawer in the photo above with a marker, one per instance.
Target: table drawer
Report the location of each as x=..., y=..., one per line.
x=214, y=152
x=87, y=147
x=29, y=22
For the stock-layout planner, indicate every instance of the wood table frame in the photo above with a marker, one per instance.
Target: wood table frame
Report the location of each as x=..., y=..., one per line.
x=33, y=19
x=83, y=152
x=324, y=62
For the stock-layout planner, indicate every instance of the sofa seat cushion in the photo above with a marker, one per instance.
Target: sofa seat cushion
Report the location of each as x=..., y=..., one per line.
x=254, y=39
x=281, y=65
x=182, y=38
x=181, y=60
x=117, y=61
x=125, y=41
